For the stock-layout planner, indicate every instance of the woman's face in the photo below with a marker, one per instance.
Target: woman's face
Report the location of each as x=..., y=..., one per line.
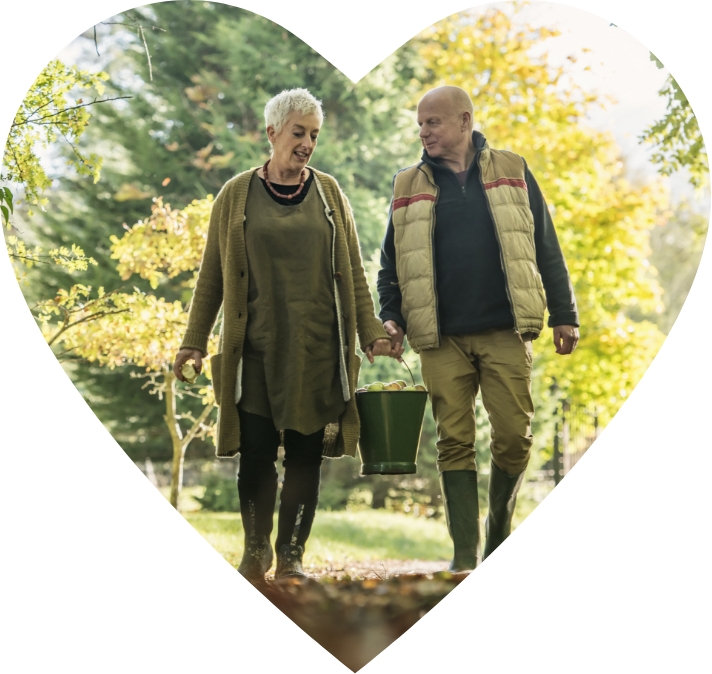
x=293, y=146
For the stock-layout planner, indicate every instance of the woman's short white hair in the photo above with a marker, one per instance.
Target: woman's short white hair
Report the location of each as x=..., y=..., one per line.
x=291, y=100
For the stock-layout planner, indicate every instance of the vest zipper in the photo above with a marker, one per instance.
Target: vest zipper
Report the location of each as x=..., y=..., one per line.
x=432, y=253
x=499, y=243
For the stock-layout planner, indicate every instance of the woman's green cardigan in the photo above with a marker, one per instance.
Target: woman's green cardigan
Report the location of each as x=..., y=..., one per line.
x=222, y=282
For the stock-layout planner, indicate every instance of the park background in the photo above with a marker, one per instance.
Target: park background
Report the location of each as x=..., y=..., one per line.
x=129, y=181
x=663, y=423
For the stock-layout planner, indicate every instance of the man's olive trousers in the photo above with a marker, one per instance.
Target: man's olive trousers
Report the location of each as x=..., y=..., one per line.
x=500, y=364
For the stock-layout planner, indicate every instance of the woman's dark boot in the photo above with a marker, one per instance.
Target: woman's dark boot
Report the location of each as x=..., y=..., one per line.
x=503, y=491
x=289, y=558
x=462, y=512
x=295, y=522
x=289, y=562
x=297, y=508
x=297, y=503
x=257, y=510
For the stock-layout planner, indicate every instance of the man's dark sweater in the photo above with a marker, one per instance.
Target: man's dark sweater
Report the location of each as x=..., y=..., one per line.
x=470, y=283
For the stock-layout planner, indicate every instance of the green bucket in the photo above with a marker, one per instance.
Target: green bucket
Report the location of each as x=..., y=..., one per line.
x=391, y=422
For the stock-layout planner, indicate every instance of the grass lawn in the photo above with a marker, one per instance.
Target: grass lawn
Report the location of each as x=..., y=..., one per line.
x=344, y=537
x=340, y=536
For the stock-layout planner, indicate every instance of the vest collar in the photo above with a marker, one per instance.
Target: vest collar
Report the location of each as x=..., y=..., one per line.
x=478, y=140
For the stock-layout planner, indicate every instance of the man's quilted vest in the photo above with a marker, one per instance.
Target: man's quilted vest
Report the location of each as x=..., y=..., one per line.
x=413, y=212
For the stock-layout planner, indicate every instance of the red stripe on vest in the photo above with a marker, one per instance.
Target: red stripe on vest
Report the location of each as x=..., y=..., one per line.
x=406, y=201
x=512, y=182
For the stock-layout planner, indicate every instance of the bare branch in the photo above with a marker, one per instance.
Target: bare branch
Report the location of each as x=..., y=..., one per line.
x=35, y=260
x=77, y=154
x=148, y=56
x=86, y=319
x=196, y=427
x=61, y=355
x=39, y=121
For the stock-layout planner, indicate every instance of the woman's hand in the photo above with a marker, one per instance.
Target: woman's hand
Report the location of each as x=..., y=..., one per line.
x=397, y=336
x=380, y=347
x=184, y=355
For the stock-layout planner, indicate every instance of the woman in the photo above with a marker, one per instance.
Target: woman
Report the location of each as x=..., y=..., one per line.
x=282, y=259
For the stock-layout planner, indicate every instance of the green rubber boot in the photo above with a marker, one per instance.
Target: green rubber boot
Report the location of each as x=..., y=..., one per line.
x=462, y=511
x=503, y=491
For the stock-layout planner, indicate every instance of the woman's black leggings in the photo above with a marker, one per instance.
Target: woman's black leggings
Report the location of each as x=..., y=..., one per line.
x=257, y=477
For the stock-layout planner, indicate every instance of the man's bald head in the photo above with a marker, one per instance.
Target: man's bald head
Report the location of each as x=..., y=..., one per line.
x=455, y=99
x=445, y=118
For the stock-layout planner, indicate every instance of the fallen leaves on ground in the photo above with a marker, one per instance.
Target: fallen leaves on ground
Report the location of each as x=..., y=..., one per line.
x=355, y=618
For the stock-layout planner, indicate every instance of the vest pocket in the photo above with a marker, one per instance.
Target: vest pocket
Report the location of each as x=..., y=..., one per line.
x=215, y=371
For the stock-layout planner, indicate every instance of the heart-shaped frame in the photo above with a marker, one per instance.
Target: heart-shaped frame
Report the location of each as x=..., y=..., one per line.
x=85, y=599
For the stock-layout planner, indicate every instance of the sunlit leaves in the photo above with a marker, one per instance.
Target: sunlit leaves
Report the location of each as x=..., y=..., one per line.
x=676, y=138
x=167, y=244
x=51, y=111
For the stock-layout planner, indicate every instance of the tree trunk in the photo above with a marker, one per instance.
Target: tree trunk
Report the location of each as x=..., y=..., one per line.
x=176, y=438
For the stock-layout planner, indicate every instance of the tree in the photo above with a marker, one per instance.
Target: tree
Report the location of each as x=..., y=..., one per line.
x=147, y=332
x=676, y=137
x=676, y=252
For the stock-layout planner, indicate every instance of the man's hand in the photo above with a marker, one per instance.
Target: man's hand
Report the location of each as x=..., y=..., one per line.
x=184, y=355
x=380, y=347
x=565, y=339
x=397, y=336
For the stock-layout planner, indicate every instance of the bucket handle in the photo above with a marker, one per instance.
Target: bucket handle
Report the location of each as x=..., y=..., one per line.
x=409, y=372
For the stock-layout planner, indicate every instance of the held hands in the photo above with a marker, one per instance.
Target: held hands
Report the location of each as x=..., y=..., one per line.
x=565, y=339
x=183, y=356
x=380, y=347
x=397, y=337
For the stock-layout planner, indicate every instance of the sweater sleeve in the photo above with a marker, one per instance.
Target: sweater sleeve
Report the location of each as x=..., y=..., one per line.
x=389, y=294
x=368, y=326
x=208, y=292
x=560, y=298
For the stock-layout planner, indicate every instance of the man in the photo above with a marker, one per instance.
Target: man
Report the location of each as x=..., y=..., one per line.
x=469, y=262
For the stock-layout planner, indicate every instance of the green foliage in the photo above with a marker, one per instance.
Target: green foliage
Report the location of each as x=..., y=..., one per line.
x=45, y=116
x=220, y=494
x=676, y=137
x=7, y=207
x=676, y=252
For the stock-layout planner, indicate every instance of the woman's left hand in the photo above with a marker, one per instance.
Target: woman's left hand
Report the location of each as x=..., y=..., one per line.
x=380, y=347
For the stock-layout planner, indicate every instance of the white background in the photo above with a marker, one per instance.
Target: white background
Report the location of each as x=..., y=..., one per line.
x=609, y=574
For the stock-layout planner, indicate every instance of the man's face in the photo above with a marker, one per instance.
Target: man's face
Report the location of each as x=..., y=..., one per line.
x=441, y=128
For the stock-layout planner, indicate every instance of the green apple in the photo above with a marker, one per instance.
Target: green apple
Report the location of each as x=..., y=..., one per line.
x=376, y=386
x=188, y=371
x=410, y=388
x=400, y=383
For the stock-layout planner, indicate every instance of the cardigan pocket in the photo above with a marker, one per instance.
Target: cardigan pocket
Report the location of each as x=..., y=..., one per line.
x=215, y=371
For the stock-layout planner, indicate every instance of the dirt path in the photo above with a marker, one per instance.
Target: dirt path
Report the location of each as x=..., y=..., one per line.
x=356, y=610
x=381, y=569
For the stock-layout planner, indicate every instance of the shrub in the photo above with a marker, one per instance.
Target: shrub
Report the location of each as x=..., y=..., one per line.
x=220, y=494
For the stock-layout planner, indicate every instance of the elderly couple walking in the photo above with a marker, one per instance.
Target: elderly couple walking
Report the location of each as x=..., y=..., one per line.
x=470, y=260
